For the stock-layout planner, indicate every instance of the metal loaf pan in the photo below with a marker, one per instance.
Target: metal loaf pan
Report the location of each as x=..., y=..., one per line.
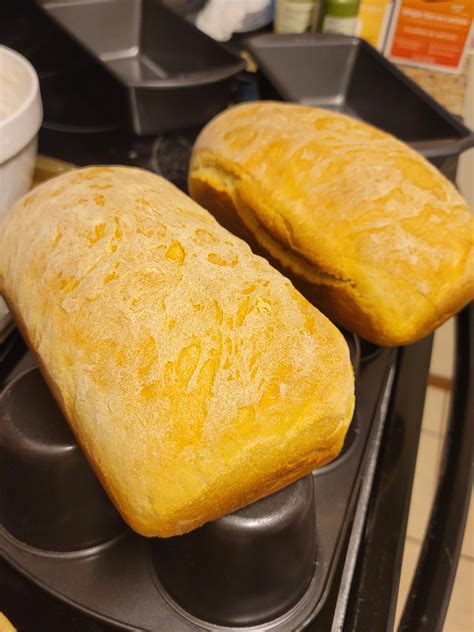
x=171, y=74
x=348, y=75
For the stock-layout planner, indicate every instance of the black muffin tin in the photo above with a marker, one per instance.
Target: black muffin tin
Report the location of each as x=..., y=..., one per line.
x=267, y=566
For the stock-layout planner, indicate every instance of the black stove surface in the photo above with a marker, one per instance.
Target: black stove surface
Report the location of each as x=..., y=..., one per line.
x=167, y=155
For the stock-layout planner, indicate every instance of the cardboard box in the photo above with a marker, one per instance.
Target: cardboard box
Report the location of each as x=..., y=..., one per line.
x=431, y=33
x=373, y=21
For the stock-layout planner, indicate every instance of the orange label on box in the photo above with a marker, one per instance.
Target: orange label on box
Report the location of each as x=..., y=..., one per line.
x=431, y=33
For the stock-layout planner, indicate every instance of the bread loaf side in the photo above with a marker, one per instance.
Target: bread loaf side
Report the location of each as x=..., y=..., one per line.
x=371, y=232
x=194, y=375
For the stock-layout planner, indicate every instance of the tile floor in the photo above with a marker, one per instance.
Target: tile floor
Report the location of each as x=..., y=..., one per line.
x=460, y=616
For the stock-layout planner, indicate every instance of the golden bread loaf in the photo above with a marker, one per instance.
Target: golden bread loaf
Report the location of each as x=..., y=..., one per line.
x=371, y=232
x=194, y=375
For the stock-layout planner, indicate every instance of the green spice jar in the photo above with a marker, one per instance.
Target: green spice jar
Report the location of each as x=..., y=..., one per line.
x=339, y=16
x=295, y=16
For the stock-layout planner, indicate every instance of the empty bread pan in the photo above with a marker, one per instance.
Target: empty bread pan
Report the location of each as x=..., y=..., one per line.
x=172, y=74
x=348, y=75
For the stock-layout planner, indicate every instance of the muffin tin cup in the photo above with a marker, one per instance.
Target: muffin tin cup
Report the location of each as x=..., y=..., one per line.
x=50, y=498
x=247, y=567
x=369, y=350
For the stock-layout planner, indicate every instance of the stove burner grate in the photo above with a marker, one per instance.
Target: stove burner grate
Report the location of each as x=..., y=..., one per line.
x=171, y=155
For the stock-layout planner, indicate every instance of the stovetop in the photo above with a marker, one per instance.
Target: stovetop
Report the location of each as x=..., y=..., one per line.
x=83, y=125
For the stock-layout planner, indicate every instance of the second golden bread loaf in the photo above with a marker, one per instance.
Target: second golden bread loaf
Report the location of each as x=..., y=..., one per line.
x=366, y=227
x=195, y=377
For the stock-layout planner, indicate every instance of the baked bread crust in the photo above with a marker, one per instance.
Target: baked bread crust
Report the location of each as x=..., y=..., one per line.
x=195, y=377
x=371, y=232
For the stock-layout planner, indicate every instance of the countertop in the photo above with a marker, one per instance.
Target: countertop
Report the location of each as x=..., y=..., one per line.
x=446, y=88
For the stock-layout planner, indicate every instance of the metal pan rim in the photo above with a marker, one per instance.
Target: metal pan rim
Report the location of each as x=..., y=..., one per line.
x=80, y=553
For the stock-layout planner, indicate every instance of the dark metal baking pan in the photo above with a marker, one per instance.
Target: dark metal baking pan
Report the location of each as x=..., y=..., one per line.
x=267, y=566
x=348, y=75
x=173, y=75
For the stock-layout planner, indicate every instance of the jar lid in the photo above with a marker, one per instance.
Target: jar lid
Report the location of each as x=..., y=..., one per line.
x=342, y=8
